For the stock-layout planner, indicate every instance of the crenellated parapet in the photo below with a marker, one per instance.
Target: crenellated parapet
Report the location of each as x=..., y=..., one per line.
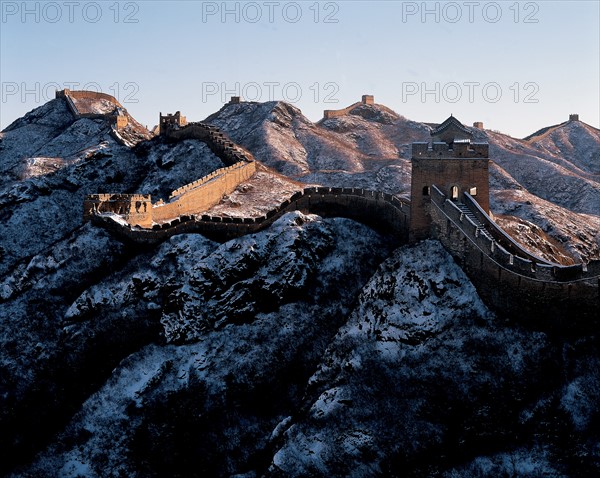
x=365, y=100
x=458, y=150
x=193, y=198
x=218, y=142
x=83, y=104
x=217, y=173
x=170, y=121
x=135, y=209
x=455, y=165
x=384, y=212
x=517, y=283
x=449, y=202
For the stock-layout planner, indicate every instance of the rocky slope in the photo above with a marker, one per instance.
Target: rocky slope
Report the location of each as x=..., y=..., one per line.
x=317, y=347
x=51, y=160
x=370, y=148
x=407, y=374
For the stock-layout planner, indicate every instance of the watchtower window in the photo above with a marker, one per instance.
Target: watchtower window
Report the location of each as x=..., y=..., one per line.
x=426, y=191
x=454, y=193
x=473, y=191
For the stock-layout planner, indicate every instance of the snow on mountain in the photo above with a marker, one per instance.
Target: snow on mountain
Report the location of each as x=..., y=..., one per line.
x=362, y=149
x=413, y=338
x=370, y=147
x=548, y=177
x=50, y=160
x=284, y=139
x=312, y=348
x=256, y=197
x=573, y=141
x=256, y=314
x=414, y=378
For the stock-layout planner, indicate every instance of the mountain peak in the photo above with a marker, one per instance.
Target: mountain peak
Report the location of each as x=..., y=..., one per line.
x=573, y=124
x=366, y=109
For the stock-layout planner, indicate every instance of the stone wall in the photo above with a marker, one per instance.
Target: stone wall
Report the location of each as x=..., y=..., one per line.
x=170, y=121
x=193, y=198
x=464, y=167
x=118, y=120
x=366, y=100
x=523, y=286
x=136, y=209
x=328, y=114
x=229, y=152
x=538, y=292
x=93, y=95
x=499, y=235
x=384, y=212
x=203, y=194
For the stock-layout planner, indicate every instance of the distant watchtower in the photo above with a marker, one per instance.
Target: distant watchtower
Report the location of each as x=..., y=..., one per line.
x=452, y=163
x=170, y=121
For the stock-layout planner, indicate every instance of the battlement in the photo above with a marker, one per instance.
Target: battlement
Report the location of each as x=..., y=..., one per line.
x=170, y=121
x=453, y=163
x=209, y=177
x=382, y=211
x=365, y=100
x=133, y=208
x=449, y=202
x=85, y=94
x=520, y=284
x=229, y=152
x=442, y=150
x=192, y=198
x=94, y=105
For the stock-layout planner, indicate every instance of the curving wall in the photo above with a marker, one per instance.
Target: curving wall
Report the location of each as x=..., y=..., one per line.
x=523, y=287
x=192, y=198
x=381, y=211
x=118, y=120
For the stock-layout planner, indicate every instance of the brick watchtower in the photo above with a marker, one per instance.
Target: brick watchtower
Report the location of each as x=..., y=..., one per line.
x=168, y=121
x=452, y=163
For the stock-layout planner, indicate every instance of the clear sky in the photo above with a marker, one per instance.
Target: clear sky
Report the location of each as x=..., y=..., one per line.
x=516, y=66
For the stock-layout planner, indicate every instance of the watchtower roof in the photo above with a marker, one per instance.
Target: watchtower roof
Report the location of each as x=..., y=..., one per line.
x=451, y=131
x=450, y=123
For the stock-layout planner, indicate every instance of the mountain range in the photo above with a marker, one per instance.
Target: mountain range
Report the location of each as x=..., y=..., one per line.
x=317, y=347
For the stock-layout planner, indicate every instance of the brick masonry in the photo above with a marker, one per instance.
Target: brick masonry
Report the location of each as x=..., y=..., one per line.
x=445, y=177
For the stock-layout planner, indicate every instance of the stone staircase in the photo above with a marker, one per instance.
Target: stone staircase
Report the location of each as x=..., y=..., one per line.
x=467, y=212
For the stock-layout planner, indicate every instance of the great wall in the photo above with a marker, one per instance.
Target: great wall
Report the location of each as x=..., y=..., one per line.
x=449, y=202
x=191, y=198
x=366, y=100
x=84, y=104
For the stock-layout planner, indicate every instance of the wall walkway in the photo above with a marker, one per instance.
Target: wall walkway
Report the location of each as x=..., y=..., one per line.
x=508, y=278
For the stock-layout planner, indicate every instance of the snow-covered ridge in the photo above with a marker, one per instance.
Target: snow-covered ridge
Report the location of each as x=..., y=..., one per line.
x=310, y=348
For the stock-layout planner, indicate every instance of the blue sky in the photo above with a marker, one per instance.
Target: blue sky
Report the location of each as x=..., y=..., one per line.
x=516, y=66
